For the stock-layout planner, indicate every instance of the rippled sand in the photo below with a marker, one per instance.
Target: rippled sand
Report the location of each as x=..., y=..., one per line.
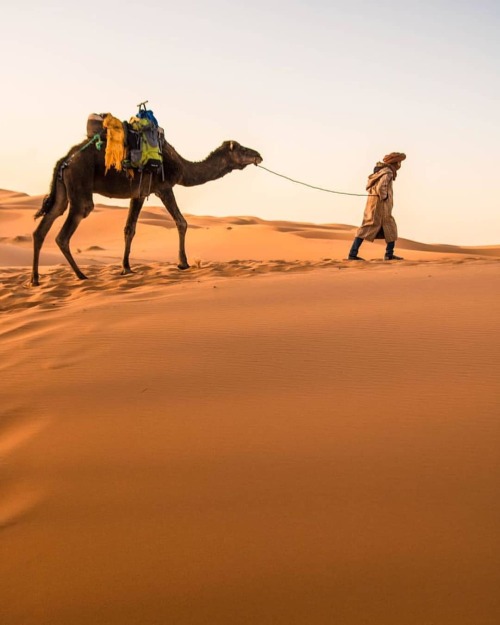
x=290, y=439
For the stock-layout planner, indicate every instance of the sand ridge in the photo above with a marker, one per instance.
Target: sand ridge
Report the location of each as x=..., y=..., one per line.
x=59, y=285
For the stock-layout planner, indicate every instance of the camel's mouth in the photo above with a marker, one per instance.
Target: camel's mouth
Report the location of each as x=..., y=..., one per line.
x=249, y=160
x=254, y=158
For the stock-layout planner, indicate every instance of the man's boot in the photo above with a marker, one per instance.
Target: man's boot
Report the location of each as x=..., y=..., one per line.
x=389, y=252
x=353, y=252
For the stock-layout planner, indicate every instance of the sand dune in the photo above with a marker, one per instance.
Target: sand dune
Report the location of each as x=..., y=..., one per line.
x=275, y=436
x=211, y=239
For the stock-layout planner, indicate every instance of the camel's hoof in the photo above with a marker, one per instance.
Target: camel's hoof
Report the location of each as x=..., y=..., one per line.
x=34, y=283
x=183, y=267
x=126, y=272
x=82, y=276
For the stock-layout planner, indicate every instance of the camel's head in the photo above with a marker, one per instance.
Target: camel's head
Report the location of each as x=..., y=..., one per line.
x=239, y=156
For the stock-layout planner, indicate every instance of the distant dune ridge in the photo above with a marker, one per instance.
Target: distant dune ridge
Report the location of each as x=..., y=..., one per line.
x=274, y=436
x=213, y=239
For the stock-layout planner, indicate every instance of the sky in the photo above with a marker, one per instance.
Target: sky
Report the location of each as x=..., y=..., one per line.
x=321, y=88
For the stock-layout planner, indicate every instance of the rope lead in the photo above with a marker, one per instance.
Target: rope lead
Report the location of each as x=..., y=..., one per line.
x=312, y=186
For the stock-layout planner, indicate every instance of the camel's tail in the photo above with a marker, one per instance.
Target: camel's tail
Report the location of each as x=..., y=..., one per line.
x=62, y=163
x=48, y=200
x=47, y=204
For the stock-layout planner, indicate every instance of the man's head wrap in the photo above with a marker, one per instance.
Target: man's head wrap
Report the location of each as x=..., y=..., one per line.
x=394, y=157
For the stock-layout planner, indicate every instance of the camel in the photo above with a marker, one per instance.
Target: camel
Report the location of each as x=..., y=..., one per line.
x=81, y=173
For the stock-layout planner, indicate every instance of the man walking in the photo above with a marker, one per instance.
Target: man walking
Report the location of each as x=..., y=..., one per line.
x=378, y=222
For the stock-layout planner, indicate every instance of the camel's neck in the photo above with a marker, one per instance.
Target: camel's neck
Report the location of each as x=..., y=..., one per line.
x=213, y=167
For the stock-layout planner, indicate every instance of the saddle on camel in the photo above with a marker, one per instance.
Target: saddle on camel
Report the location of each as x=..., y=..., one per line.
x=133, y=146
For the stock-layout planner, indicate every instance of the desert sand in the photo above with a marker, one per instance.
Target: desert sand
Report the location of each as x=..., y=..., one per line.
x=274, y=437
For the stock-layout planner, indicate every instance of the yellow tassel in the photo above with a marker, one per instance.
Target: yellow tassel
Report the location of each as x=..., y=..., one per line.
x=115, y=143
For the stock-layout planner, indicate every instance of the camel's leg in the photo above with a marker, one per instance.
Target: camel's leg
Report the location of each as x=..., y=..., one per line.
x=133, y=215
x=168, y=199
x=43, y=228
x=77, y=212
